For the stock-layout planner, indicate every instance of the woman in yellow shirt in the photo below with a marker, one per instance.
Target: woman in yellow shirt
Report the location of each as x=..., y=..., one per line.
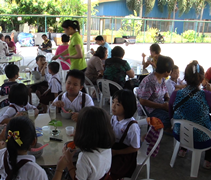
x=75, y=49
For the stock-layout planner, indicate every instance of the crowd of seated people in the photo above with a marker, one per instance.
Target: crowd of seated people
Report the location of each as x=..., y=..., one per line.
x=116, y=140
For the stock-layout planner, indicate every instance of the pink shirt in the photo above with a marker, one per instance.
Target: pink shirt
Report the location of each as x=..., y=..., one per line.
x=59, y=50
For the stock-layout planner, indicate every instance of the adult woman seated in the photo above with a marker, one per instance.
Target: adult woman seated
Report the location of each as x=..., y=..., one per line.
x=195, y=108
x=116, y=68
x=95, y=67
x=153, y=94
x=10, y=43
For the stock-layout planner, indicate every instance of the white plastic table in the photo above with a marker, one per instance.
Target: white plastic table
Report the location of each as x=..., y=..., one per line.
x=22, y=79
x=10, y=59
x=53, y=151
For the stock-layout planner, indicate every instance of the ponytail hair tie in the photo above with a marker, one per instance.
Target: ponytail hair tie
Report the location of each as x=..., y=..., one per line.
x=197, y=68
x=194, y=69
x=15, y=136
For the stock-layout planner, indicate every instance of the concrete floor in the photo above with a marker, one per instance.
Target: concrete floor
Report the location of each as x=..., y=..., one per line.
x=160, y=168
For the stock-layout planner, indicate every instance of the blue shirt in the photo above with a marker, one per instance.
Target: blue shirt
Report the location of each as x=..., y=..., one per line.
x=108, y=47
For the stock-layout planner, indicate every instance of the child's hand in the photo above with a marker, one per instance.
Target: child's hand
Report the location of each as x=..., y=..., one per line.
x=45, y=64
x=74, y=116
x=62, y=163
x=59, y=104
x=143, y=55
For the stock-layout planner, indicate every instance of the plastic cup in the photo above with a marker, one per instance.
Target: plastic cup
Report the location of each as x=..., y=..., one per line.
x=46, y=133
x=69, y=130
x=52, y=110
x=31, y=114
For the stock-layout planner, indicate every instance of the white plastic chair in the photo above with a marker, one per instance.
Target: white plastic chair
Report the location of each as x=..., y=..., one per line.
x=2, y=110
x=89, y=86
x=142, y=108
x=144, y=159
x=63, y=73
x=105, y=92
x=187, y=141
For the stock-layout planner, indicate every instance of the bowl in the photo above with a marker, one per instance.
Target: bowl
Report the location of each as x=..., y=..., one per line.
x=66, y=115
x=24, y=113
x=36, y=154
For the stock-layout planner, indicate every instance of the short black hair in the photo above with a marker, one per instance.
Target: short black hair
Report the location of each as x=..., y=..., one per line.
x=54, y=67
x=93, y=130
x=27, y=135
x=44, y=35
x=76, y=74
x=7, y=37
x=194, y=78
x=65, y=38
x=39, y=56
x=18, y=94
x=100, y=52
x=99, y=38
x=11, y=70
x=1, y=35
x=164, y=64
x=155, y=48
x=117, y=51
x=175, y=67
x=128, y=101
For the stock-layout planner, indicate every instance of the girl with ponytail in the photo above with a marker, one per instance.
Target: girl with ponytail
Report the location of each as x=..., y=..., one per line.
x=75, y=50
x=14, y=162
x=193, y=104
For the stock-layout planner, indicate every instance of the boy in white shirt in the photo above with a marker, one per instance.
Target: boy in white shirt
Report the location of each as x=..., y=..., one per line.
x=54, y=86
x=174, y=83
x=73, y=98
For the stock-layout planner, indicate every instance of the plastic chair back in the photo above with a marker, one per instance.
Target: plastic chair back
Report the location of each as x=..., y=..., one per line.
x=142, y=107
x=105, y=89
x=186, y=132
x=88, y=84
x=144, y=159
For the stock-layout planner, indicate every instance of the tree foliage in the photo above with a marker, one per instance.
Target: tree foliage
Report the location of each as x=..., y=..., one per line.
x=42, y=7
x=135, y=5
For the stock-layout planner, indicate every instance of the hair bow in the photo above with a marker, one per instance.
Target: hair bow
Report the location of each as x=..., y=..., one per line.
x=197, y=68
x=16, y=137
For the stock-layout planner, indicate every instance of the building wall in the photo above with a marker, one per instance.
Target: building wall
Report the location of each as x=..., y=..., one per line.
x=119, y=8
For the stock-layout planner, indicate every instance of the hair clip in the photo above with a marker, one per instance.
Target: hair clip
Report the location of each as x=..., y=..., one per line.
x=197, y=68
x=16, y=137
x=194, y=69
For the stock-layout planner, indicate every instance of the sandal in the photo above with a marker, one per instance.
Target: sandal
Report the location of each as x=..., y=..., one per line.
x=207, y=165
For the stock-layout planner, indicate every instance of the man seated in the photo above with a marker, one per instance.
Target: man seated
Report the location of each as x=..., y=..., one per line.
x=45, y=45
x=4, y=50
x=100, y=41
x=10, y=43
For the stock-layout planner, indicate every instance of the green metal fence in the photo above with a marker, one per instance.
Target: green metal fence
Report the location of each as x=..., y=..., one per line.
x=193, y=31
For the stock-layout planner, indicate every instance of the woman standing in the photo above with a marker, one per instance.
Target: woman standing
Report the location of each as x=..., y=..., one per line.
x=75, y=49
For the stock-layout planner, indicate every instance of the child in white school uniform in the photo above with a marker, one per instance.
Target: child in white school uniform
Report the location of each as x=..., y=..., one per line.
x=174, y=83
x=94, y=136
x=54, y=86
x=73, y=98
x=18, y=98
x=15, y=163
x=127, y=134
